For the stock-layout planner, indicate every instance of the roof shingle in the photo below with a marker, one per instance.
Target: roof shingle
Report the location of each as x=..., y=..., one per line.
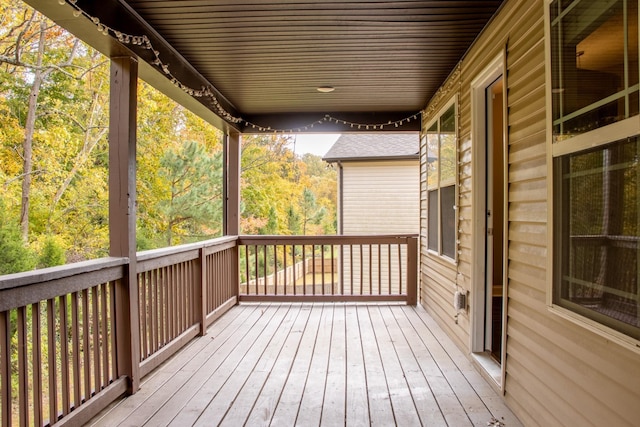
x=374, y=146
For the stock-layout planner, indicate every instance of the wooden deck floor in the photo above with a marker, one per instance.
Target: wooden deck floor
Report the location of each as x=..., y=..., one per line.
x=313, y=364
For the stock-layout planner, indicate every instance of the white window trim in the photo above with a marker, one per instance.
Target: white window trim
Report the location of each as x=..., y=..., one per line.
x=601, y=136
x=455, y=182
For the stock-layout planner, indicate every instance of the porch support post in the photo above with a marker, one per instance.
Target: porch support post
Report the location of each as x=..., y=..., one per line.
x=232, y=184
x=122, y=212
x=412, y=271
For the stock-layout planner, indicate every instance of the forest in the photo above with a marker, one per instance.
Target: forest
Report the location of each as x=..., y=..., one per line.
x=54, y=107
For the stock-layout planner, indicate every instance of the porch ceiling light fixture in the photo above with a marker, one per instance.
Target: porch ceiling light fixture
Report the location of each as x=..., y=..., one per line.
x=325, y=89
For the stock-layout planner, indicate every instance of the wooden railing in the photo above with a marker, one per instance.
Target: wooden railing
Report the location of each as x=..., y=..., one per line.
x=181, y=290
x=59, y=349
x=328, y=268
x=57, y=341
x=62, y=350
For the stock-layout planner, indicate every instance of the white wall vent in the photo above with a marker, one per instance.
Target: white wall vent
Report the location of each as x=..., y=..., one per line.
x=460, y=300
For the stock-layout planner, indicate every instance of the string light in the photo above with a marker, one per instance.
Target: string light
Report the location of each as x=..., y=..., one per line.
x=208, y=91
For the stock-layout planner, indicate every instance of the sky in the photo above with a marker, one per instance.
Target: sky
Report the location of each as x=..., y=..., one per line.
x=314, y=143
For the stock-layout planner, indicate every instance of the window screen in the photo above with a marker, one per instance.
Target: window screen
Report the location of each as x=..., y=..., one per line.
x=597, y=227
x=441, y=167
x=448, y=218
x=432, y=219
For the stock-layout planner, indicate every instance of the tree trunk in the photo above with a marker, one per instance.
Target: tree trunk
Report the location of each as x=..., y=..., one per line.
x=29, y=127
x=89, y=143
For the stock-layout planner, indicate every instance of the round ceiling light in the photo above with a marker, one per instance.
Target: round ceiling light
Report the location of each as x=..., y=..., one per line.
x=325, y=89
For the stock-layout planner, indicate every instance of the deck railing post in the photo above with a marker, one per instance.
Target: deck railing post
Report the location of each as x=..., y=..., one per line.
x=201, y=297
x=412, y=271
x=122, y=213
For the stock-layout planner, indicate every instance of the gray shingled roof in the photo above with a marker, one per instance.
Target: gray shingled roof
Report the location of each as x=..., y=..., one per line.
x=374, y=146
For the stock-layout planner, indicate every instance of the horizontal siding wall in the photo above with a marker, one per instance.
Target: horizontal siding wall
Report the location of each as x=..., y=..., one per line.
x=557, y=373
x=380, y=197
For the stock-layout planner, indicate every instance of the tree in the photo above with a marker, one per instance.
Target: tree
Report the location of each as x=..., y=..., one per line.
x=193, y=205
x=53, y=90
x=14, y=255
x=32, y=47
x=274, y=179
x=309, y=209
x=272, y=223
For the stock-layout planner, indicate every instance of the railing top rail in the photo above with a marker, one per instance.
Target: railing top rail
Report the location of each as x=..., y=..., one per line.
x=174, y=250
x=27, y=278
x=325, y=240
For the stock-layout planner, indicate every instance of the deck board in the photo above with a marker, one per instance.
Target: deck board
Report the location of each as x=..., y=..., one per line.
x=315, y=364
x=380, y=410
x=357, y=405
x=310, y=410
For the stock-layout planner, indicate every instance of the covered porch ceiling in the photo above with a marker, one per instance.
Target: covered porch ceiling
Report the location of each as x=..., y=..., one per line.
x=258, y=63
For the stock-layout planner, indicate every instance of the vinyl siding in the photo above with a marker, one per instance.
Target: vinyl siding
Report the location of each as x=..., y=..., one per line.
x=380, y=197
x=557, y=372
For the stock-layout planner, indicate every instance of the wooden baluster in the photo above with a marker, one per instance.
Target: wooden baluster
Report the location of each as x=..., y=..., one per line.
x=341, y=269
x=51, y=362
x=202, y=294
x=322, y=267
x=313, y=267
x=284, y=265
x=264, y=264
x=275, y=270
x=95, y=322
x=351, y=268
x=379, y=269
x=5, y=368
x=257, y=268
x=172, y=301
x=304, y=270
x=36, y=353
x=389, y=266
x=162, y=313
x=105, y=315
x=23, y=366
x=142, y=300
x=333, y=272
x=361, y=269
x=400, y=268
x=64, y=353
x=75, y=339
x=86, y=345
x=370, y=270
x=112, y=316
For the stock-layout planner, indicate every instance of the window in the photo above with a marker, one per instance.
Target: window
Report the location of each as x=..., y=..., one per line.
x=441, y=140
x=596, y=161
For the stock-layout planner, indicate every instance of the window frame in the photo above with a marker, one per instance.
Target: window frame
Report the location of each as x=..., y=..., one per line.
x=582, y=142
x=439, y=184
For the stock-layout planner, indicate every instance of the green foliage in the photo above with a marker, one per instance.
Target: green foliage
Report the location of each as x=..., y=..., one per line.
x=282, y=193
x=194, y=201
x=272, y=223
x=179, y=184
x=14, y=255
x=52, y=254
x=293, y=221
